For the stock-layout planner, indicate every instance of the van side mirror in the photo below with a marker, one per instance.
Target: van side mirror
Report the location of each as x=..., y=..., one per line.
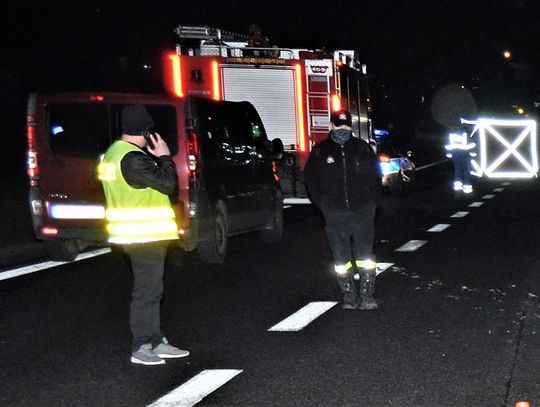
x=277, y=149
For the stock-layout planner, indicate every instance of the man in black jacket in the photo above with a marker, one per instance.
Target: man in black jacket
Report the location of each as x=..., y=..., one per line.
x=140, y=218
x=343, y=180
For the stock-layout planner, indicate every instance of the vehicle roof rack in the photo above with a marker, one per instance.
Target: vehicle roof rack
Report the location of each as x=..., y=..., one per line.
x=186, y=32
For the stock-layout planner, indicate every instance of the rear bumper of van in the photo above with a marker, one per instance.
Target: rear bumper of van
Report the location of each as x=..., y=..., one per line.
x=46, y=227
x=96, y=235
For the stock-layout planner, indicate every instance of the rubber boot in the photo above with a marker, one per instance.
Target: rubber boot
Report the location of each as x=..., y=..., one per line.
x=350, y=299
x=367, y=288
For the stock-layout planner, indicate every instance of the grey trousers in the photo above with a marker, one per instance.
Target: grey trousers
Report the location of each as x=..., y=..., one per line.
x=147, y=265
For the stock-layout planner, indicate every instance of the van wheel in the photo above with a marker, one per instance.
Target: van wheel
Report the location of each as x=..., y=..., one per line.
x=213, y=248
x=275, y=233
x=62, y=250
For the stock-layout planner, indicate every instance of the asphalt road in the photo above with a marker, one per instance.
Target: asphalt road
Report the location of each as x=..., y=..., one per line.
x=459, y=326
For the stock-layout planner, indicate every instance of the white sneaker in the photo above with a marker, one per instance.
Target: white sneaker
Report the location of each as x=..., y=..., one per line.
x=167, y=351
x=146, y=356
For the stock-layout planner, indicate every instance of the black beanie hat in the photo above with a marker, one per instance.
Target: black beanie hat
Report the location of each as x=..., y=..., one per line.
x=136, y=120
x=340, y=118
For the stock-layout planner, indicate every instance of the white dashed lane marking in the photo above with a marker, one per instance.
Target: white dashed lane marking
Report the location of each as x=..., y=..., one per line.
x=296, y=201
x=48, y=264
x=196, y=388
x=498, y=190
x=383, y=267
x=411, y=246
x=459, y=214
x=439, y=228
x=488, y=196
x=303, y=317
x=476, y=204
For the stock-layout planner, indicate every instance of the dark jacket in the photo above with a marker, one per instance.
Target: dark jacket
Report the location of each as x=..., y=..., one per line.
x=343, y=177
x=142, y=171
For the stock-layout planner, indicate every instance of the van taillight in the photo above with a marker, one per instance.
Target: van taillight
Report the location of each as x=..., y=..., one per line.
x=49, y=231
x=32, y=161
x=193, y=153
x=97, y=98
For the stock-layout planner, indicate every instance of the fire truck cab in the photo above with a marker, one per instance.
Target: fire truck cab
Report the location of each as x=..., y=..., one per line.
x=294, y=90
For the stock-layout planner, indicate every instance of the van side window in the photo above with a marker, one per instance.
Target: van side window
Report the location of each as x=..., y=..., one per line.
x=255, y=131
x=216, y=133
x=216, y=138
x=258, y=134
x=237, y=125
x=78, y=130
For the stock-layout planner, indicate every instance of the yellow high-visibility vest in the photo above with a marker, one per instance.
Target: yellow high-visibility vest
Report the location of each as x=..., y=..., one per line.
x=133, y=215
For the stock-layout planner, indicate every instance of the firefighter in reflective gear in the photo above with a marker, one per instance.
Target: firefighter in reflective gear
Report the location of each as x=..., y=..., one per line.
x=460, y=151
x=140, y=217
x=343, y=180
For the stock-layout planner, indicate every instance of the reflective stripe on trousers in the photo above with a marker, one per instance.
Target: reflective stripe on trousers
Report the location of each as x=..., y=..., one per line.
x=342, y=269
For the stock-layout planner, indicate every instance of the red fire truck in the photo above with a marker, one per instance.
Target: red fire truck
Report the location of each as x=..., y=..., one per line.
x=294, y=90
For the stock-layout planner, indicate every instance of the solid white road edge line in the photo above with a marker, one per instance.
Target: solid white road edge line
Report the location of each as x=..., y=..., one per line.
x=303, y=317
x=459, y=214
x=439, y=227
x=196, y=388
x=411, y=246
x=48, y=264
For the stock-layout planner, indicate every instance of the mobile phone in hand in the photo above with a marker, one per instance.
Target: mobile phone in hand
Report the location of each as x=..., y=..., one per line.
x=149, y=139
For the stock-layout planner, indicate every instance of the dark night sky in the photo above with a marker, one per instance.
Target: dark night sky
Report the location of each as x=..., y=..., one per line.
x=410, y=45
x=391, y=36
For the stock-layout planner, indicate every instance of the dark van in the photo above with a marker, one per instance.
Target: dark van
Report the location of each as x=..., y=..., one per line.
x=228, y=182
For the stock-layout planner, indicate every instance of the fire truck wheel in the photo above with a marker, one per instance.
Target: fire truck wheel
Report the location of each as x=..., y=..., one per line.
x=275, y=232
x=213, y=248
x=62, y=250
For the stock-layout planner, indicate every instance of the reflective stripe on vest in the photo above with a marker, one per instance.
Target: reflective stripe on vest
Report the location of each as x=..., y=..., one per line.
x=133, y=215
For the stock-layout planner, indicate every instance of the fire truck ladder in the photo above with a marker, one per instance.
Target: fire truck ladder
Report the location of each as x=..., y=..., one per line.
x=225, y=43
x=207, y=33
x=318, y=103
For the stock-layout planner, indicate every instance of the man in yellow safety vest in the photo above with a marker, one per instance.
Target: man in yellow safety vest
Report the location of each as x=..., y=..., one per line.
x=141, y=219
